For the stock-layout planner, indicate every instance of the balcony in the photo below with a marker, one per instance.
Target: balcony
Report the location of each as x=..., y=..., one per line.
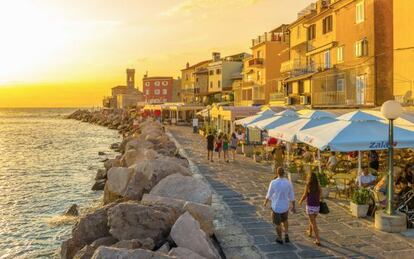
x=256, y=62
x=266, y=37
x=275, y=97
x=296, y=67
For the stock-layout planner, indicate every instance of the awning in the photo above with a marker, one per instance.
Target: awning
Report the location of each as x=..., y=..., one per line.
x=320, y=49
x=292, y=79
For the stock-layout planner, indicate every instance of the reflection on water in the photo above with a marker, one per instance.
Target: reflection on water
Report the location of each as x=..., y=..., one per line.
x=47, y=163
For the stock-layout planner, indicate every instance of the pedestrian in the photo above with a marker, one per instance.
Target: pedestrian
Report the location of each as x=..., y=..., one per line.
x=373, y=160
x=280, y=194
x=195, y=125
x=233, y=145
x=226, y=148
x=219, y=145
x=210, y=146
x=312, y=194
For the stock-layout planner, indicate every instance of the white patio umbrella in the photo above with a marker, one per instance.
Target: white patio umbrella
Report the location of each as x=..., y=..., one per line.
x=276, y=120
x=405, y=119
x=357, y=130
x=255, y=118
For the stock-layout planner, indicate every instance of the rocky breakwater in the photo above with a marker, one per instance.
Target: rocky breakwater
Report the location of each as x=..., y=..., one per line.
x=153, y=206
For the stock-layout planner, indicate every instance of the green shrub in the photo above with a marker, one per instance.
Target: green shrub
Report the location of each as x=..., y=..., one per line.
x=360, y=196
x=292, y=168
x=322, y=179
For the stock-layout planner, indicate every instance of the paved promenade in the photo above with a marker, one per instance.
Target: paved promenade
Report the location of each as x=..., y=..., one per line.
x=244, y=228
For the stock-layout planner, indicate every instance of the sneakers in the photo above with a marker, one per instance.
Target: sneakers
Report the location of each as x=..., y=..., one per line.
x=280, y=241
x=287, y=239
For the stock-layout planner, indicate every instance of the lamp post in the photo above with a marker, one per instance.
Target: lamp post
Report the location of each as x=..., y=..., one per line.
x=391, y=110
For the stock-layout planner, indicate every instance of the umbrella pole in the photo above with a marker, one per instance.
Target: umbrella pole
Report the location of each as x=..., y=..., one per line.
x=359, y=167
x=319, y=161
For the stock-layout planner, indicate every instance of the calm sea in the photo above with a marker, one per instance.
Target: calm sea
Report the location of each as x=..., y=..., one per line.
x=47, y=163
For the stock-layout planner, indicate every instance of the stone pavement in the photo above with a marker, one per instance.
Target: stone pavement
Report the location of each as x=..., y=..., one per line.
x=243, y=225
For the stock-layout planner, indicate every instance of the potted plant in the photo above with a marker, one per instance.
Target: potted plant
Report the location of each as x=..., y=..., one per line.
x=359, y=203
x=294, y=175
x=323, y=182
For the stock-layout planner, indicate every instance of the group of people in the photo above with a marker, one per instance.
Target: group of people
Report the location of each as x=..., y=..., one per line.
x=282, y=198
x=221, y=144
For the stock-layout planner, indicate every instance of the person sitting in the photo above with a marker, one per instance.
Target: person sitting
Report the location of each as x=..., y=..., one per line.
x=365, y=179
x=332, y=161
x=402, y=188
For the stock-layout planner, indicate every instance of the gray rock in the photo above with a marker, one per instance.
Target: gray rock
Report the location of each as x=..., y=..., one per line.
x=204, y=214
x=121, y=253
x=181, y=252
x=165, y=248
x=85, y=253
x=100, y=174
x=134, y=156
x=112, y=163
x=118, y=179
x=186, y=233
x=99, y=185
x=131, y=220
x=72, y=211
x=104, y=241
x=183, y=187
x=147, y=244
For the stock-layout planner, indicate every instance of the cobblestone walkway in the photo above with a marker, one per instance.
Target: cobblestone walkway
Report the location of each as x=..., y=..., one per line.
x=244, y=228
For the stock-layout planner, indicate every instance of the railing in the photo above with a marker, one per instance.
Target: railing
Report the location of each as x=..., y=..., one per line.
x=296, y=67
x=349, y=98
x=256, y=62
x=277, y=97
x=258, y=93
x=267, y=37
x=329, y=98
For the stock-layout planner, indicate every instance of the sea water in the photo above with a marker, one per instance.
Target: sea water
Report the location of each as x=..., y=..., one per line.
x=47, y=163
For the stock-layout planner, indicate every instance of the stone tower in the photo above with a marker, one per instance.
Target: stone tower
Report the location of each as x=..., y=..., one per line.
x=130, y=78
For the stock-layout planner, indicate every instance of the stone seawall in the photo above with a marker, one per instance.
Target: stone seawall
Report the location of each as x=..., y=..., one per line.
x=153, y=207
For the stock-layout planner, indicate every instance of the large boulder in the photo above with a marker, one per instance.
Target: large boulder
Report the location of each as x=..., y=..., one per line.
x=99, y=185
x=112, y=163
x=181, y=252
x=131, y=220
x=184, y=188
x=149, y=173
x=186, y=233
x=204, y=214
x=134, y=156
x=89, y=228
x=85, y=253
x=122, y=253
x=100, y=174
x=147, y=244
x=138, y=143
x=116, y=185
x=153, y=200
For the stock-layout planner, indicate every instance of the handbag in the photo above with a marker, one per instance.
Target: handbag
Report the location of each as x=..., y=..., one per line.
x=323, y=208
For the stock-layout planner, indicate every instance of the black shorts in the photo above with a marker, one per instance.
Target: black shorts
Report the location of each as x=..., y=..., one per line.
x=210, y=147
x=278, y=218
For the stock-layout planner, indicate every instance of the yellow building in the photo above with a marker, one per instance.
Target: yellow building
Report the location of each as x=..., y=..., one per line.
x=193, y=82
x=261, y=72
x=340, y=54
x=403, y=51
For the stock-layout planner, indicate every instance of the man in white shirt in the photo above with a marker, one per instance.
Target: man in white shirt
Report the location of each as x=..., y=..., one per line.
x=195, y=125
x=280, y=194
x=366, y=179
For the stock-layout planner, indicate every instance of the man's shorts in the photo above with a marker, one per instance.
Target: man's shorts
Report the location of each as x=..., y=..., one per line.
x=278, y=218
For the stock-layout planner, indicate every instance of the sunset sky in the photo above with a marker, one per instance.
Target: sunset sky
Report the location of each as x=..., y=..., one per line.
x=69, y=53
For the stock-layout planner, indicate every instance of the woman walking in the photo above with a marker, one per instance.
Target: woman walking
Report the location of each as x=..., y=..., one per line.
x=226, y=148
x=312, y=194
x=219, y=145
x=233, y=145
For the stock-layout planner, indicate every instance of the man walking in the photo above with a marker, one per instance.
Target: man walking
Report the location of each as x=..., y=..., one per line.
x=280, y=194
x=210, y=146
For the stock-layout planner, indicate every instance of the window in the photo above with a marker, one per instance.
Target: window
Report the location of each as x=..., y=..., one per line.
x=186, y=77
x=211, y=84
x=147, y=83
x=164, y=91
x=258, y=54
x=312, y=32
x=164, y=83
x=157, y=83
x=340, y=85
x=361, y=48
x=360, y=12
x=327, y=24
x=327, y=57
x=157, y=91
x=340, y=54
x=298, y=32
x=218, y=71
x=259, y=74
x=147, y=92
x=211, y=72
x=219, y=83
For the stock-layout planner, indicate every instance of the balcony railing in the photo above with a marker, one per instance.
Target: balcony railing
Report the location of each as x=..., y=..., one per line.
x=329, y=98
x=258, y=93
x=267, y=37
x=256, y=62
x=341, y=98
x=296, y=67
x=277, y=97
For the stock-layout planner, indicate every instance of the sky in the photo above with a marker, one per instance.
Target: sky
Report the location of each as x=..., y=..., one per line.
x=69, y=53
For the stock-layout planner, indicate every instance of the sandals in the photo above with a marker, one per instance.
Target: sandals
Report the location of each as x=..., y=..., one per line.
x=317, y=243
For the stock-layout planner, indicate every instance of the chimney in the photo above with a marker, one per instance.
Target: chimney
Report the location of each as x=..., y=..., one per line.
x=216, y=56
x=187, y=65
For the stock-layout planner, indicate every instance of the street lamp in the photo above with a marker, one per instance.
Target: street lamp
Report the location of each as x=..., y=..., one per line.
x=391, y=110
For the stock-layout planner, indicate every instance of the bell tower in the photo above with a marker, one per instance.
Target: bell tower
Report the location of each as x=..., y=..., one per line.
x=130, y=80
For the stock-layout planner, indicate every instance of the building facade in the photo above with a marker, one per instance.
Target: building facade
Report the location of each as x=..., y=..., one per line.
x=403, y=51
x=340, y=54
x=158, y=89
x=124, y=96
x=222, y=72
x=261, y=82
x=194, y=80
